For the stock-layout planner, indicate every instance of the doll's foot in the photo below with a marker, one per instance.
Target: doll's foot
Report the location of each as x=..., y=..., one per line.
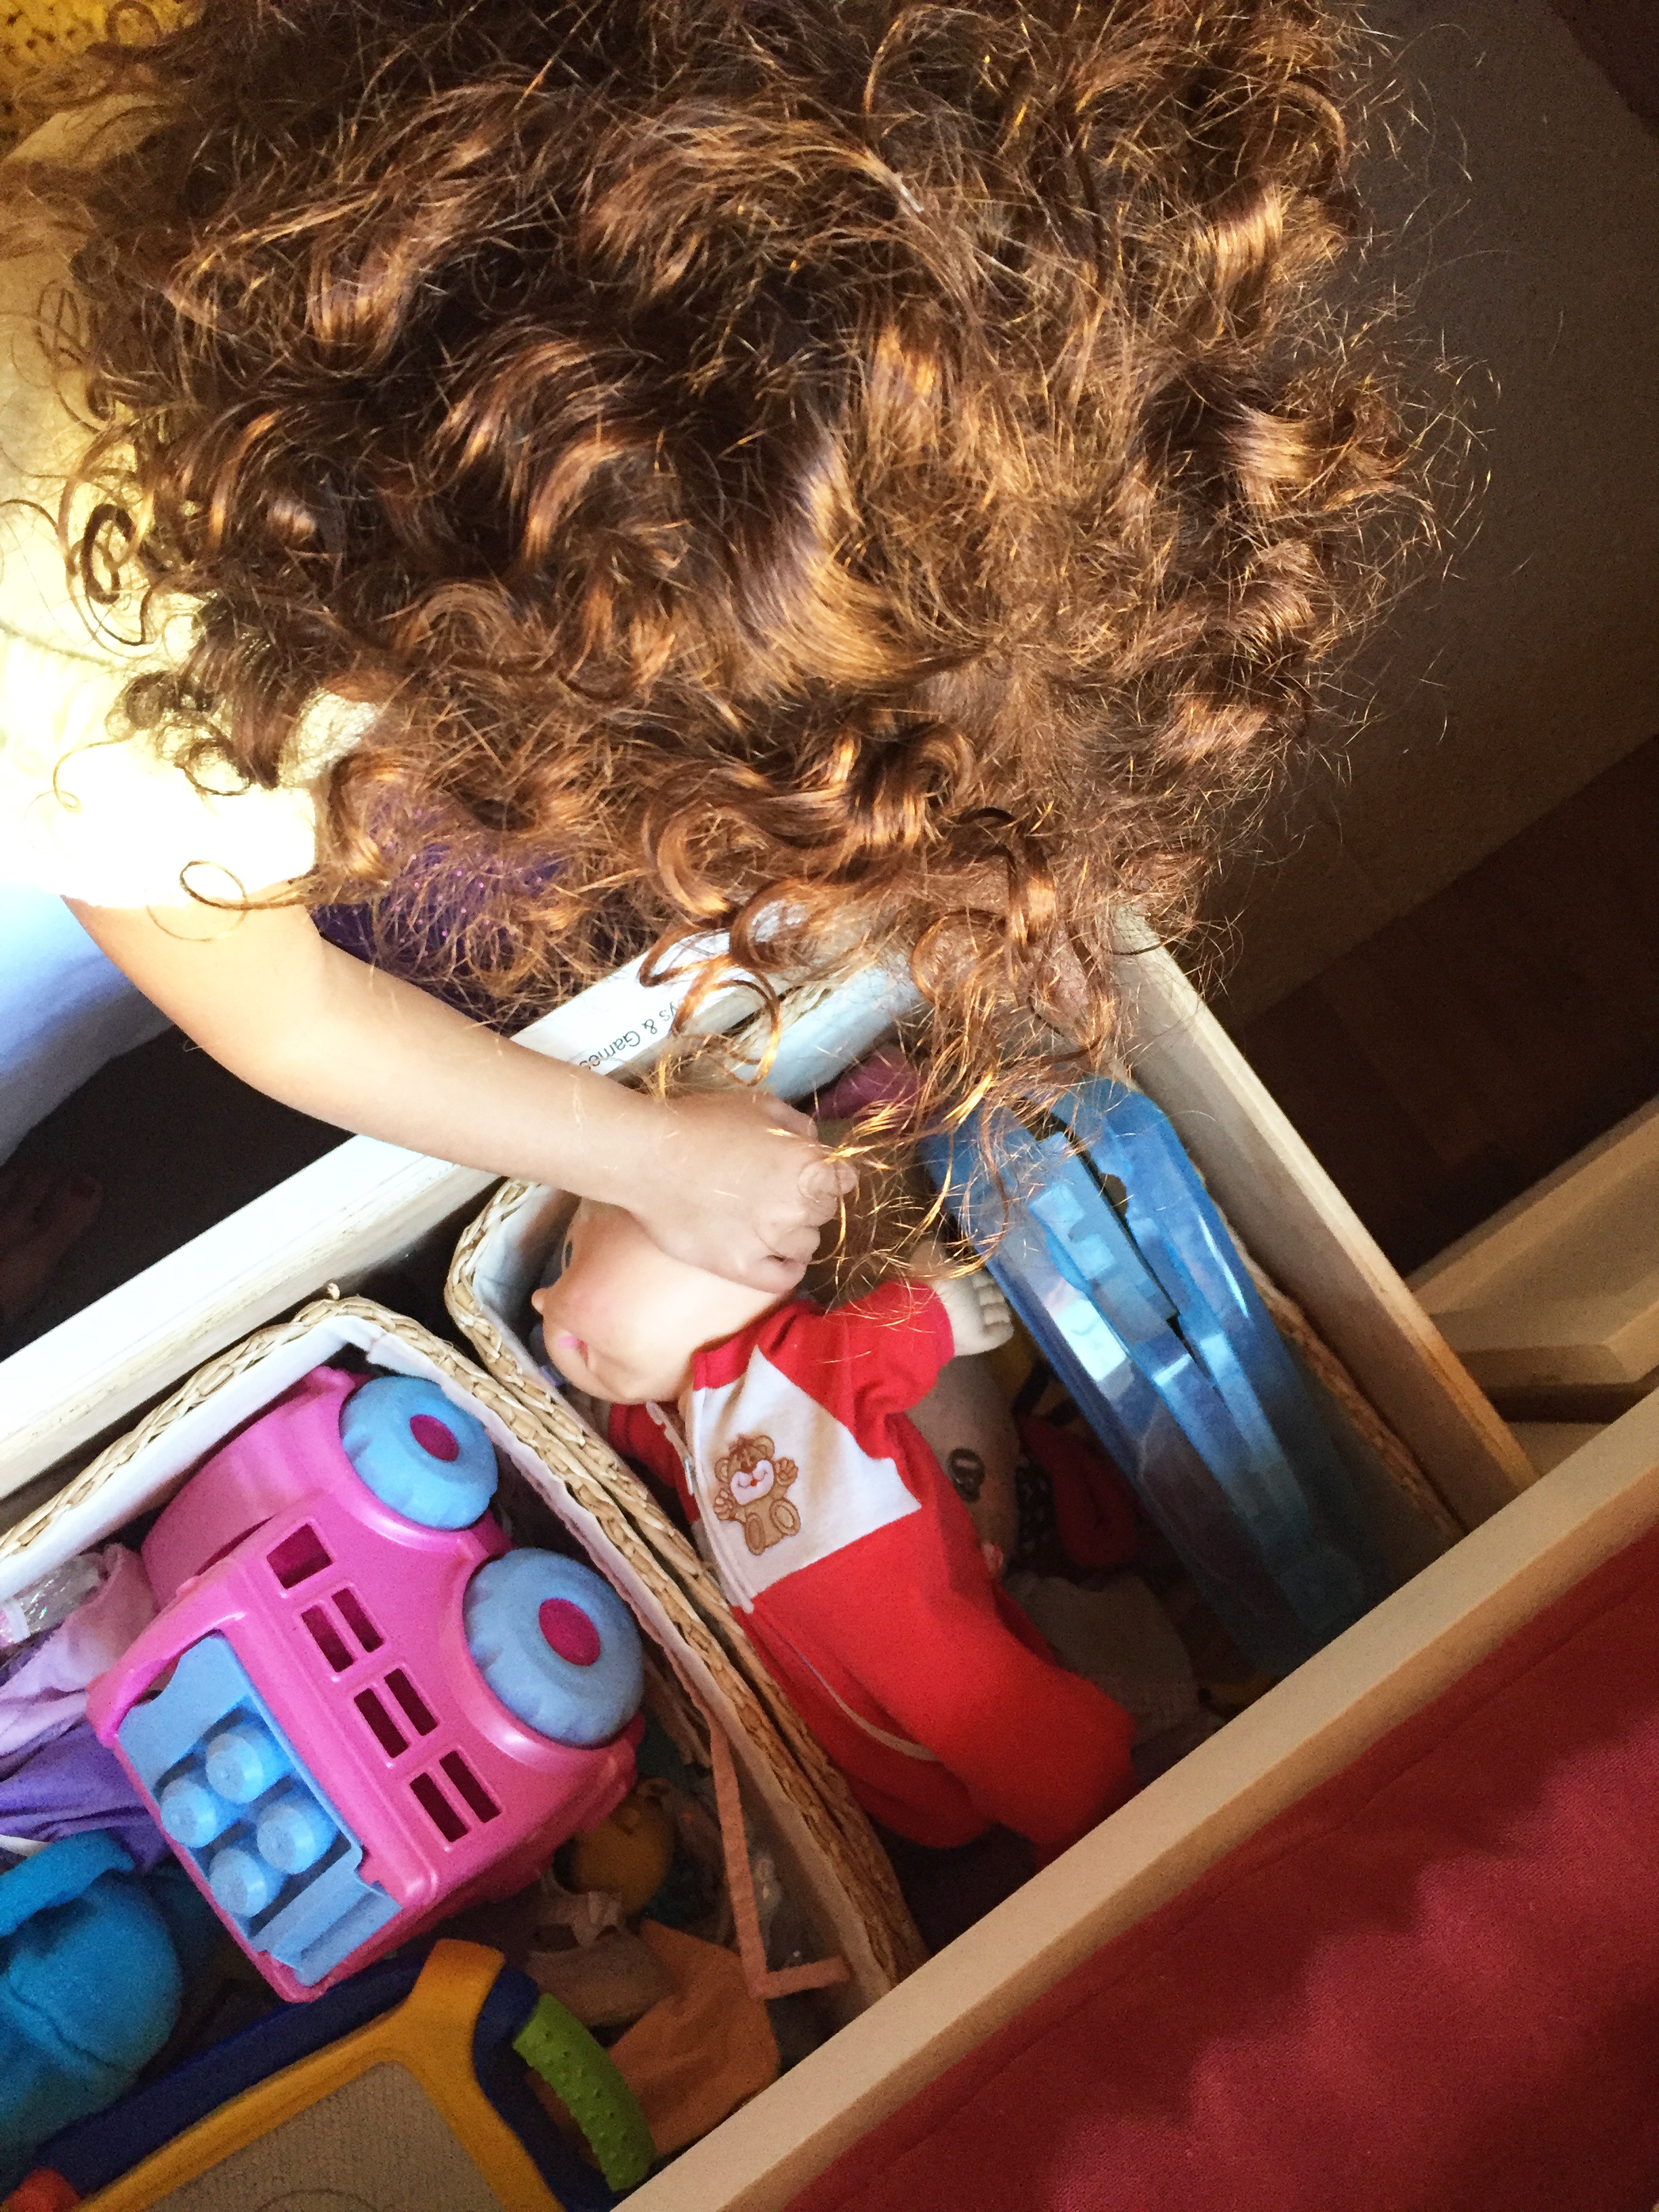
x=42, y=1215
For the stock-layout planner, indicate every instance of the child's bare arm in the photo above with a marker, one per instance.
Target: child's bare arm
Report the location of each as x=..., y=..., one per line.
x=734, y=1182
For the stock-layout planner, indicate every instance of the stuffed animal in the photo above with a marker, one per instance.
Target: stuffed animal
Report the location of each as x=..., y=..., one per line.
x=94, y=1958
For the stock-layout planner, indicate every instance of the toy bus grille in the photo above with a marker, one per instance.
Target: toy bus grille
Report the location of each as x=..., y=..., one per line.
x=429, y=1794
x=439, y=1808
x=330, y=1623
x=336, y=1624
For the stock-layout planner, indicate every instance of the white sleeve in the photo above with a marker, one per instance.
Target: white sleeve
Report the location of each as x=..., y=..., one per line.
x=105, y=821
x=89, y=818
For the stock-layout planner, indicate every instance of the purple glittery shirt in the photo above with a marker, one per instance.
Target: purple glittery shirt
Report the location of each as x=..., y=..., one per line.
x=431, y=928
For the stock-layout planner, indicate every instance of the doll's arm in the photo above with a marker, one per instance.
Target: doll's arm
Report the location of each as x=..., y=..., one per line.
x=868, y=1359
x=733, y=1183
x=881, y=1355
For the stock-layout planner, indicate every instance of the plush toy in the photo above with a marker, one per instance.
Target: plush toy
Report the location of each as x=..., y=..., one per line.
x=92, y=1959
x=848, y=1556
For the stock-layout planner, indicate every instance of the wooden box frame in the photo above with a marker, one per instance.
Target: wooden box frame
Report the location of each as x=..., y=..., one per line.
x=1531, y=1540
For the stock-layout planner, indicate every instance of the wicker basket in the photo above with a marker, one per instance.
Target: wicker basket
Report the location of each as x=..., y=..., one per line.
x=496, y=1265
x=829, y=1862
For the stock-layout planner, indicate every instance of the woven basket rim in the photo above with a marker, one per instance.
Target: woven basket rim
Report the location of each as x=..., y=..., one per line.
x=577, y=1462
x=858, y=1859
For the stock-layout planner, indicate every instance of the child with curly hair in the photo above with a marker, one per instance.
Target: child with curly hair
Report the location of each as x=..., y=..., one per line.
x=491, y=486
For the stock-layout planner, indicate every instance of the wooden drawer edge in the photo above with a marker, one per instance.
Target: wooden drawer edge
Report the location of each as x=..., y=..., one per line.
x=1304, y=1232
x=1411, y=1648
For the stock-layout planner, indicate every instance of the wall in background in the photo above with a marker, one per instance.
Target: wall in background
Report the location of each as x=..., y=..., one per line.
x=1623, y=36
x=1529, y=219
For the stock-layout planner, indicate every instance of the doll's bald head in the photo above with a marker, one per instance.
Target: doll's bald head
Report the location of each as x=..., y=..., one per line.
x=624, y=1319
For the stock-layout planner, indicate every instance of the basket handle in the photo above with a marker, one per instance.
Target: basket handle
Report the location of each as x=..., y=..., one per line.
x=762, y=1981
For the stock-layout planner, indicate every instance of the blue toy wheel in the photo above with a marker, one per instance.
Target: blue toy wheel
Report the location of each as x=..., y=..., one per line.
x=557, y=1646
x=427, y=1459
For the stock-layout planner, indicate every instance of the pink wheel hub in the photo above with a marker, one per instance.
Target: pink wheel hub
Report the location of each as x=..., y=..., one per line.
x=569, y=1632
x=434, y=1437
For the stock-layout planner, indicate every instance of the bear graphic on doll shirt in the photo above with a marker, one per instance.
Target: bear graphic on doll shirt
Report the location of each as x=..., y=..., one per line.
x=750, y=1483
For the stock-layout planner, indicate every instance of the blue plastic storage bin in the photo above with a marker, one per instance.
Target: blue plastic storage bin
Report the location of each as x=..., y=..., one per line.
x=1095, y=1224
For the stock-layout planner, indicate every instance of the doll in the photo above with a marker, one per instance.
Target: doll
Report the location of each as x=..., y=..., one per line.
x=847, y=1557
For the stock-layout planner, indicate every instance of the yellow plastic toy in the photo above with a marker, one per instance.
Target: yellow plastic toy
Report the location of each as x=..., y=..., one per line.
x=389, y=2119
x=628, y=1855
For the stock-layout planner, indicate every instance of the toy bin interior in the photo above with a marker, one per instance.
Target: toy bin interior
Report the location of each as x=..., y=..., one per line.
x=1557, y=1295
x=148, y=1467
x=347, y=1717
x=1294, y=1222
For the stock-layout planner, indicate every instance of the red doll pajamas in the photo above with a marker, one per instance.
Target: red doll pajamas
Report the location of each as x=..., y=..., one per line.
x=855, y=1570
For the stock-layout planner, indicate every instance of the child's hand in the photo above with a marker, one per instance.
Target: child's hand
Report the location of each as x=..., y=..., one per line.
x=979, y=1316
x=738, y=1184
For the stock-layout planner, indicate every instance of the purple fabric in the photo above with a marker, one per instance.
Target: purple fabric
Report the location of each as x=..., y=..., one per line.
x=435, y=926
x=72, y=1785
x=47, y=1693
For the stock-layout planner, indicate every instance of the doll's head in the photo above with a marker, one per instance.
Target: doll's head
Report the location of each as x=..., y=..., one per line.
x=623, y=1320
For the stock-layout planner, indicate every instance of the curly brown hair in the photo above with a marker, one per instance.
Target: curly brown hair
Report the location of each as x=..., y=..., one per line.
x=875, y=477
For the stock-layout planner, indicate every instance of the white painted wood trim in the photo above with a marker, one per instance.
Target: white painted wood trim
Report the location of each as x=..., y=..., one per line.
x=1310, y=1239
x=333, y=1221
x=1318, y=1721
x=1562, y=1285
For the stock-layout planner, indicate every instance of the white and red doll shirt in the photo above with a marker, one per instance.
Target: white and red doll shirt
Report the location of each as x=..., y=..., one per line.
x=856, y=1573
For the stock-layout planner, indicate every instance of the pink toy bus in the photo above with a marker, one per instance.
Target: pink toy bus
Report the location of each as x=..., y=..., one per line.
x=358, y=1709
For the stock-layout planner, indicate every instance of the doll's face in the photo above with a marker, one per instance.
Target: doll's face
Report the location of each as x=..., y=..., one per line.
x=624, y=1319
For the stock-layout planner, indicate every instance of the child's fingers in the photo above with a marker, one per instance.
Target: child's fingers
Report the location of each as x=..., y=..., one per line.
x=789, y=1118
x=825, y=1183
x=798, y=1242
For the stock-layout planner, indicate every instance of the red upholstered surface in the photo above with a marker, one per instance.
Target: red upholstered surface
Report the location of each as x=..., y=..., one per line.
x=1432, y=1986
